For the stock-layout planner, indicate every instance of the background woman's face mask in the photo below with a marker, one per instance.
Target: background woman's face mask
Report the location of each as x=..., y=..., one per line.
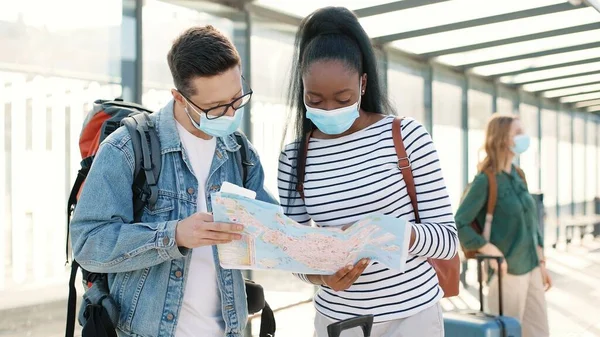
x=521, y=144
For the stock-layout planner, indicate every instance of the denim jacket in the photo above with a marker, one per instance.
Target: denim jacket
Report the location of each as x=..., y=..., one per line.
x=146, y=269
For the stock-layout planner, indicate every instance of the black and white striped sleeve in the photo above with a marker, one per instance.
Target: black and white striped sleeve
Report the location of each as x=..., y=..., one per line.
x=436, y=235
x=290, y=200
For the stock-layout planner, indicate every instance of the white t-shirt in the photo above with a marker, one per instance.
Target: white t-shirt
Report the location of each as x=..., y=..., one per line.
x=201, y=313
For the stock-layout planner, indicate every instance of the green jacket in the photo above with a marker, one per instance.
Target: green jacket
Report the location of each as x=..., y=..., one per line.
x=514, y=226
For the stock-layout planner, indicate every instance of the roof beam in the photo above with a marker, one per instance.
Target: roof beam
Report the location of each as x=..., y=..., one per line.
x=574, y=94
x=550, y=67
x=516, y=39
x=532, y=55
x=594, y=108
x=586, y=103
x=563, y=77
x=273, y=15
x=393, y=6
x=566, y=87
x=561, y=7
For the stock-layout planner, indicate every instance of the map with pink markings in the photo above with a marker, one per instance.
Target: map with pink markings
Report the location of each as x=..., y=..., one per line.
x=273, y=241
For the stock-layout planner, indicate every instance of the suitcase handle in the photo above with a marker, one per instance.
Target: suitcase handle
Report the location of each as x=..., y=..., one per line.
x=365, y=322
x=500, y=260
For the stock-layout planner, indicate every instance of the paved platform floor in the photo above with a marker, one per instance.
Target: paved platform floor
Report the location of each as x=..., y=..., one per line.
x=574, y=301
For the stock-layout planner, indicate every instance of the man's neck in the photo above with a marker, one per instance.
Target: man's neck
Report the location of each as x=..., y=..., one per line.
x=184, y=120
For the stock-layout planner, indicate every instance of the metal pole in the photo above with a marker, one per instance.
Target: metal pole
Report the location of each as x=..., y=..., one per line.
x=131, y=51
x=428, y=98
x=465, y=148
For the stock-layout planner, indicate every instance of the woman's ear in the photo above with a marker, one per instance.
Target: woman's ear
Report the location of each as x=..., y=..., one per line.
x=363, y=84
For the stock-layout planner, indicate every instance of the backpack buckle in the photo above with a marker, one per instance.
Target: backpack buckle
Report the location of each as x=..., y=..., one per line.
x=406, y=165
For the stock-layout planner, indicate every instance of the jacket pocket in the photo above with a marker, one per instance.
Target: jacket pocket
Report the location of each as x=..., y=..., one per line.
x=161, y=211
x=129, y=289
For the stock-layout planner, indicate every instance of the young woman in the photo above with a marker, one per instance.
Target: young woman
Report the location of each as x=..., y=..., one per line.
x=514, y=232
x=349, y=169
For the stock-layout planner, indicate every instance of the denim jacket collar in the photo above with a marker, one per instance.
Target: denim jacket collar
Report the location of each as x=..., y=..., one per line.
x=169, y=136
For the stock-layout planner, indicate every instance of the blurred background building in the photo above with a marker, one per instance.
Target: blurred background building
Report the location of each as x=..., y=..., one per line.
x=449, y=64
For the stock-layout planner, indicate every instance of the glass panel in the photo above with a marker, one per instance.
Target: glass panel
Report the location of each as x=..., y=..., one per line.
x=405, y=91
x=587, y=103
x=520, y=48
x=561, y=83
x=444, y=13
x=572, y=91
x=271, y=57
x=162, y=23
x=305, y=7
x=579, y=160
x=497, y=31
x=591, y=174
x=582, y=97
x=551, y=73
x=529, y=160
x=57, y=57
x=447, y=107
x=537, y=62
x=550, y=171
x=565, y=172
x=505, y=105
x=480, y=110
x=598, y=156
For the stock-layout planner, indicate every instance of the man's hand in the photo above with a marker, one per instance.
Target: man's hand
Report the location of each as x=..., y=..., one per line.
x=546, y=279
x=490, y=249
x=199, y=230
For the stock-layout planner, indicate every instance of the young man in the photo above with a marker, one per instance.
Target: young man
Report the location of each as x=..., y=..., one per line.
x=164, y=272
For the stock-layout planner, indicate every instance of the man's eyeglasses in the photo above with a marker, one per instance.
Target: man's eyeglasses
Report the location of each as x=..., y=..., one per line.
x=221, y=110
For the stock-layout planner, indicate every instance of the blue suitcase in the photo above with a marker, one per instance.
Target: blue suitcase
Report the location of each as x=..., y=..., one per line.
x=478, y=323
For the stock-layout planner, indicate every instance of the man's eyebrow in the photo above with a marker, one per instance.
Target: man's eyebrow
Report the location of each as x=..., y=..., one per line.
x=236, y=95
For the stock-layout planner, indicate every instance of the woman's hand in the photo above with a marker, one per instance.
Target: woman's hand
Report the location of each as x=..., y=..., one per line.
x=490, y=249
x=343, y=278
x=546, y=279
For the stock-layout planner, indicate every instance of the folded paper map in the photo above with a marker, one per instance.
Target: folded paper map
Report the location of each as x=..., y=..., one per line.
x=273, y=241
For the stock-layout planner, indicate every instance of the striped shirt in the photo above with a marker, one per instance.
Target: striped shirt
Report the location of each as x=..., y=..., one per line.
x=352, y=176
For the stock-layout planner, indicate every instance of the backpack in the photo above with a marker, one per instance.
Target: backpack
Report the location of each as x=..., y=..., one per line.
x=485, y=229
x=448, y=271
x=98, y=310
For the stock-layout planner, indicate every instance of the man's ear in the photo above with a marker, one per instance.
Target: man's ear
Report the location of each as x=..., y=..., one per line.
x=178, y=97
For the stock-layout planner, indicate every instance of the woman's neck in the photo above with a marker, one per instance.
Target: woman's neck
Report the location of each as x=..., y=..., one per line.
x=508, y=164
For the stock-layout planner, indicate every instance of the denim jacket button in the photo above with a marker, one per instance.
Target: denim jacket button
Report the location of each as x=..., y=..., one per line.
x=178, y=274
x=166, y=241
x=190, y=190
x=170, y=317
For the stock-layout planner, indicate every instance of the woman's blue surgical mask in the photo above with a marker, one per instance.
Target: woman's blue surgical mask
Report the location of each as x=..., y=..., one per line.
x=333, y=122
x=218, y=127
x=521, y=144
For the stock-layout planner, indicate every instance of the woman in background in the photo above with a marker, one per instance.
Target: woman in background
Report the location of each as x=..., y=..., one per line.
x=514, y=231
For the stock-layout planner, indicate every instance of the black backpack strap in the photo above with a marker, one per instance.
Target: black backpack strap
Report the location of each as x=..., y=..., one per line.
x=146, y=149
x=242, y=155
x=98, y=322
x=267, y=322
x=72, y=301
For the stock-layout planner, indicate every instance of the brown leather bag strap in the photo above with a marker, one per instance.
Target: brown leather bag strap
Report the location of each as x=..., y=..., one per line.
x=492, y=192
x=301, y=171
x=405, y=165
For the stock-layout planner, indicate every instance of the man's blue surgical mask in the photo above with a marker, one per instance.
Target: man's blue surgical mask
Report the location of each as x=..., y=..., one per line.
x=521, y=144
x=333, y=122
x=218, y=127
